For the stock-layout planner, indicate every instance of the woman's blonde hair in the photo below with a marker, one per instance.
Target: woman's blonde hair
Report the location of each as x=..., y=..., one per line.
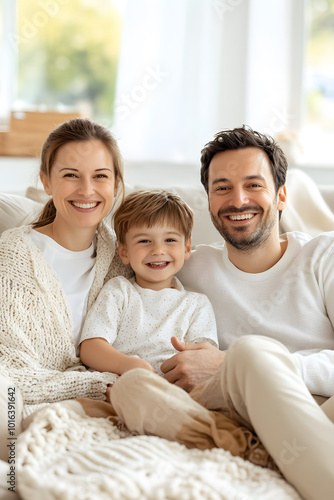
x=150, y=207
x=75, y=130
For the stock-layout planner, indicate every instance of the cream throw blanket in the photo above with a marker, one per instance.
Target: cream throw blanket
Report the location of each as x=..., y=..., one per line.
x=78, y=449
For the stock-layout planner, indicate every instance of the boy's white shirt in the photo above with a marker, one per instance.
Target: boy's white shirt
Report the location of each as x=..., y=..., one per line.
x=140, y=322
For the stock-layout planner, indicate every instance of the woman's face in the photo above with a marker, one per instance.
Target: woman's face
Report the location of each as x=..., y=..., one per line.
x=82, y=184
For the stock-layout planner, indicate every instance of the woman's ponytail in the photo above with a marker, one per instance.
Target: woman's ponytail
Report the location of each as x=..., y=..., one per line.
x=47, y=215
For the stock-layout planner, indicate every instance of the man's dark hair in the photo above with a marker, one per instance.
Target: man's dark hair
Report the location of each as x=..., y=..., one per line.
x=245, y=137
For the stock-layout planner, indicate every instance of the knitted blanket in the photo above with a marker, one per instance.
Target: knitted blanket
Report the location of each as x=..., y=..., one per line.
x=66, y=454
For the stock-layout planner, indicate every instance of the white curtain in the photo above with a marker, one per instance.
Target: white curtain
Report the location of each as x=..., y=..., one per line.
x=169, y=71
x=275, y=62
x=189, y=68
x=8, y=53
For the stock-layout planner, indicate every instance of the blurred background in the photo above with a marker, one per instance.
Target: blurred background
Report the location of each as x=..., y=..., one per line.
x=166, y=75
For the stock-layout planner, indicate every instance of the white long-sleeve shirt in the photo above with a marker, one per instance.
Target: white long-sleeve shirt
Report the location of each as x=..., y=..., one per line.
x=292, y=302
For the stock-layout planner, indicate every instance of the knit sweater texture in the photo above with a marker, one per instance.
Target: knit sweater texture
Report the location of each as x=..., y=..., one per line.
x=37, y=350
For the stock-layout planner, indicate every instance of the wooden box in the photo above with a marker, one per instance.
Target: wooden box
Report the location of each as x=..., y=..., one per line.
x=28, y=131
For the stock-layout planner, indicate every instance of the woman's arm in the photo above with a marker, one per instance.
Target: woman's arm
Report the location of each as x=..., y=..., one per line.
x=99, y=355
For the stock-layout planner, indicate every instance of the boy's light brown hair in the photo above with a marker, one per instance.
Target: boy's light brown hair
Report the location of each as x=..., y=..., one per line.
x=150, y=207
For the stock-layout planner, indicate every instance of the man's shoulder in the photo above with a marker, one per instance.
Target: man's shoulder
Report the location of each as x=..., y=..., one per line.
x=202, y=251
x=305, y=248
x=204, y=255
x=301, y=239
x=203, y=261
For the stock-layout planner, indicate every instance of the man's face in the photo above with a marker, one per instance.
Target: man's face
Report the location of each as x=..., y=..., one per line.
x=243, y=203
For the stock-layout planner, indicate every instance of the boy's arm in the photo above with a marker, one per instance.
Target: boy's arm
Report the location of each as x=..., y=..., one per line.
x=100, y=331
x=98, y=354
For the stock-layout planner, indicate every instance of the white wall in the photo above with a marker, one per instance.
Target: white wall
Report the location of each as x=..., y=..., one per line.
x=242, y=62
x=16, y=174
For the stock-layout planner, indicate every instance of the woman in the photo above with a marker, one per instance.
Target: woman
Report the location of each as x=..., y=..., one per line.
x=51, y=273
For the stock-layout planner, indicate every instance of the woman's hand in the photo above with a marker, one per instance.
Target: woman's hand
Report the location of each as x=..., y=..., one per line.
x=193, y=365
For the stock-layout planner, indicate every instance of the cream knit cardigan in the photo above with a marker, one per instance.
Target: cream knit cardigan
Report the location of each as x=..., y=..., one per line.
x=36, y=332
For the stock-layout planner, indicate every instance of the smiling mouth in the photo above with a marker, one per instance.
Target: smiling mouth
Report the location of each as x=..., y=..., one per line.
x=241, y=216
x=85, y=205
x=157, y=265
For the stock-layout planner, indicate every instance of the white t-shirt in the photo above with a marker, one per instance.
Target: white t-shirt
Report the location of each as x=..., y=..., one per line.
x=76, y=272
x=292, y=302
x=140, y=322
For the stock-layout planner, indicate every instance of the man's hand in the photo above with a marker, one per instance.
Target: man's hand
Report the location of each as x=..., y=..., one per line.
x=193, y=365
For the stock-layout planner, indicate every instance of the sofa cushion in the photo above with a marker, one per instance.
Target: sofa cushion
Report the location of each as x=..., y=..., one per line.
x=17, y=210
x=306, y=209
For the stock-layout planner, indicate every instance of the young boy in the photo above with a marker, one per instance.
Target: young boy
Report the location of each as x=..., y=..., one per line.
x=132, y=321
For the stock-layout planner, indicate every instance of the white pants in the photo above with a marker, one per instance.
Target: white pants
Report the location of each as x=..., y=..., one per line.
x=261, y=385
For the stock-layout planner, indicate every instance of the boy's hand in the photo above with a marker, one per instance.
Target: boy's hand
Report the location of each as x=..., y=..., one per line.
x=193, y=365
x=133, y=362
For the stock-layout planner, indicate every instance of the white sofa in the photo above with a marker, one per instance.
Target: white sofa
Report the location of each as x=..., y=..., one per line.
x=310, y=208
x=147, y=467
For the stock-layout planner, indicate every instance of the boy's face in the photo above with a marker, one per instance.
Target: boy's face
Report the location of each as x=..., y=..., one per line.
x=155, y=254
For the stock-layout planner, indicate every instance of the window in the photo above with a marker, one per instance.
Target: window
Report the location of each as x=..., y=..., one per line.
x=318, y=120
x=228, y=63
x=7, y=58
x=67, y=55
x=188, y=69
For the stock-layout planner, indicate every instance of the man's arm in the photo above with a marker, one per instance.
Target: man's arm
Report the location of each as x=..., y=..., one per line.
x=193, y=365
x=99, y=355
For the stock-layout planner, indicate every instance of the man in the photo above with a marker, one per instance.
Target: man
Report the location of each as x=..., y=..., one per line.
x=273, y=300
x=259, y=282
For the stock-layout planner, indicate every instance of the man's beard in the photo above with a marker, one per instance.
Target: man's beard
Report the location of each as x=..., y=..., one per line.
x=259, y=235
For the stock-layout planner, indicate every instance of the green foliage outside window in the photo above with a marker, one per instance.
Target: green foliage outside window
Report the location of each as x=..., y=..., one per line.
x=320, y=63
x=68, y=54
